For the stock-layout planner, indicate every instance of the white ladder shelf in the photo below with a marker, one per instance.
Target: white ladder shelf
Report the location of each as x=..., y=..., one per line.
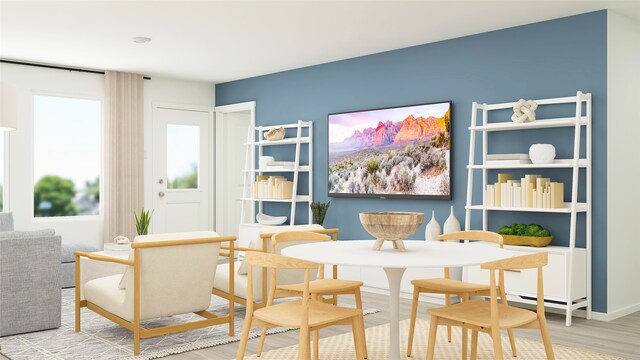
x=573, y=207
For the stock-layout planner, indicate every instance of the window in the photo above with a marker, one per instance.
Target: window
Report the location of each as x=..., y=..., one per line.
x=183, y=146
x=66, y=166
x=2, y=136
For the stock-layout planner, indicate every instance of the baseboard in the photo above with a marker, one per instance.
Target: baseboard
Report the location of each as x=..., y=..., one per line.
x=609, y=316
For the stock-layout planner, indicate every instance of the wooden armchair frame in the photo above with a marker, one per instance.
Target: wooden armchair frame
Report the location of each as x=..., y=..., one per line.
x=333, y=232
x=138, y=331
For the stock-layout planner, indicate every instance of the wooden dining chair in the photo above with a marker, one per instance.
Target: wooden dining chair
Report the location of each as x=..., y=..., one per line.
x=491, y=316
x=306, y=313
x=318, y=288
x=448, y=287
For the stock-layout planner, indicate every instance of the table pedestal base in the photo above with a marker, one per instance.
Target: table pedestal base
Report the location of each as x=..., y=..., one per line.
x=394, y=276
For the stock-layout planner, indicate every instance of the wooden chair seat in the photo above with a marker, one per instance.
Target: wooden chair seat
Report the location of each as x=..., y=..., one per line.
x=290, y=314
x=449, y=286
x=478, y=313
x=325, y=286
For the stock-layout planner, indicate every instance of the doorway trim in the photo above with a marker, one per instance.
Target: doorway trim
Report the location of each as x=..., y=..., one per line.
x=221, y=111
x=210, y=110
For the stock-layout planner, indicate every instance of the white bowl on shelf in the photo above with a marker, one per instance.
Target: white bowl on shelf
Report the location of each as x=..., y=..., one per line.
x=264, y=219
x=542, y=153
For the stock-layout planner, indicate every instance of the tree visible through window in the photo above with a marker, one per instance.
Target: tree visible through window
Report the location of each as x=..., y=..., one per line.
x=66, y=167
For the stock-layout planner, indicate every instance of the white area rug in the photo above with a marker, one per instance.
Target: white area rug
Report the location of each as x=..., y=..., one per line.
x=103, y=339
x=340, y=347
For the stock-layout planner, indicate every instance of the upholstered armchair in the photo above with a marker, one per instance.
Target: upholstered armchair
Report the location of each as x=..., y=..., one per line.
x=239, y=277
x=168, y=274
x=29, y=278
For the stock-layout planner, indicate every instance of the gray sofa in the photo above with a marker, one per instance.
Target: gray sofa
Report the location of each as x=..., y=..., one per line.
x=30, y=279
x=69, y=262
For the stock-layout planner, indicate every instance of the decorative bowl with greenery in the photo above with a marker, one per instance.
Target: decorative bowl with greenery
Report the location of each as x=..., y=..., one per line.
x=143, y=220
x=319, y=211
x=525, y=235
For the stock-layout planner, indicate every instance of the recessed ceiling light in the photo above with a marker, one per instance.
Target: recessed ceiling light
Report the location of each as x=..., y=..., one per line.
x=141, y=39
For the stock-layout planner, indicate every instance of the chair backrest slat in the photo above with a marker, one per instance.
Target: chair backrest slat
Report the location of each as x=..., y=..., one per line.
x=473, y=235
x=276, y=261
x=518, y=262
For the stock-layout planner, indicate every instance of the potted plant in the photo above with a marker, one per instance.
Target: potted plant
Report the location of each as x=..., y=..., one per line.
x=143, y=220
x=525, y=235
x=319, y=210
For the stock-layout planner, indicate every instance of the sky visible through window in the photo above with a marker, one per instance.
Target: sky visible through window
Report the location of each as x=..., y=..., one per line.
x=183, y=153
x=66, y=169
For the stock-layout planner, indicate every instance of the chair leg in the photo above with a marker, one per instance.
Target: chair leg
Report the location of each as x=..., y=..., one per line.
x=447, y=302
x=497, y=343
x=246, y=327
x=433, y=331
x=303, y=344
x=465, y=342
x=358, y=298
x=414, y=314
x=136, y=341
x=263, y=336
x=358, y=337
x=316, y=344
x=512, y=341
x=546, y=339
x=474, y=344
x=77, y=316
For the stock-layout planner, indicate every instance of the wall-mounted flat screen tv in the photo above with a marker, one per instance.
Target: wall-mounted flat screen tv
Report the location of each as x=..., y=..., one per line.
x=399, y=152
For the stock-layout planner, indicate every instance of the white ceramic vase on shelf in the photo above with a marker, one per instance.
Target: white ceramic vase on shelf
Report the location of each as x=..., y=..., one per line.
x=433, y=229
x=451, y=224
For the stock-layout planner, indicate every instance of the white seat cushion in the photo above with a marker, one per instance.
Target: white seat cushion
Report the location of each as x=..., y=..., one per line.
x=106, y=293
x=221, y=282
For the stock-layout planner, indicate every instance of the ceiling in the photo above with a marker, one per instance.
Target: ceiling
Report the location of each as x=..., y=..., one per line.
x=219, y=41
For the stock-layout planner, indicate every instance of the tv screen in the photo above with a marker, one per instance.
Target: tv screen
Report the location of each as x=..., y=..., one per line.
x=400, y=152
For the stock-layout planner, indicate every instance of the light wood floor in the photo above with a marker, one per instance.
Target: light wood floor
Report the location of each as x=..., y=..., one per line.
x=620, y=337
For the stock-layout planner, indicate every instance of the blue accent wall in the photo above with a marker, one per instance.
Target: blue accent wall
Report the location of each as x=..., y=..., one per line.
x=549, y=59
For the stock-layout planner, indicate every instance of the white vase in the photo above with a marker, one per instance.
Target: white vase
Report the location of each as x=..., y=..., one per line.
x=542, y=153
x=452, y=224
x=433, y=229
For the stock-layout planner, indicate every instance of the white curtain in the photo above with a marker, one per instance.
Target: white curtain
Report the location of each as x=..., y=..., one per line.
x=124, y=157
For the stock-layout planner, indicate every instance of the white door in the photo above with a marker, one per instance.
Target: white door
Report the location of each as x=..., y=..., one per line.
x=182, y=183
x=232, y=125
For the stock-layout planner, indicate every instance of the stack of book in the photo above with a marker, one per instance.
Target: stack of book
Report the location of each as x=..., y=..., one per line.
x=507, y=159
x=272, y=187
x=531, y=191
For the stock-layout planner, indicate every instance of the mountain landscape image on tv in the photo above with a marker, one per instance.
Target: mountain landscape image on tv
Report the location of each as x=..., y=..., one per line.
x=394, y=152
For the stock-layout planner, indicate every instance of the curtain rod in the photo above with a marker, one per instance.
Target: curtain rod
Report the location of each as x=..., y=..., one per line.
x=57, y=67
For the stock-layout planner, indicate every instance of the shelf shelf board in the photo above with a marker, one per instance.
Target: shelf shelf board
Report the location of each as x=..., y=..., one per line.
x=556, y=164
x=303, y=168
x=305, y=124
x=287, y=141
x=299, y=198
x=580, y=207
x=538, y=124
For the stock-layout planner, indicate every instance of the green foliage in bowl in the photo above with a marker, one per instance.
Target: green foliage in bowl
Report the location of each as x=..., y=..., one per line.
x=534, y=230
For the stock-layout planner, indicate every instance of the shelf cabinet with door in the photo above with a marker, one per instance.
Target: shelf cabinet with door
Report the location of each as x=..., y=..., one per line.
x=302, y=141
x=568, y=274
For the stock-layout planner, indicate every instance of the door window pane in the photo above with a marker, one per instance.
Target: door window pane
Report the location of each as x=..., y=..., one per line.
x=183, y=154
x=66, y=166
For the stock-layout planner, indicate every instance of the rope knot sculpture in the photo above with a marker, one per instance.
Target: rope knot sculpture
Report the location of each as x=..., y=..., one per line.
x=524, y=111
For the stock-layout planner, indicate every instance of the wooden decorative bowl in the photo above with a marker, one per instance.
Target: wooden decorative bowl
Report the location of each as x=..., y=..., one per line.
x=391, y=226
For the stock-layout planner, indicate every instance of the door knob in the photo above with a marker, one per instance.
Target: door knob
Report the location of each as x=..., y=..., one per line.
x=161, y=194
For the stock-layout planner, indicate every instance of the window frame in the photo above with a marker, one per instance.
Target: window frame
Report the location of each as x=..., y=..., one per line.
x=65, y=218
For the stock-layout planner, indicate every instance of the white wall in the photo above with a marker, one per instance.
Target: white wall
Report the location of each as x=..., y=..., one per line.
x=623, y=166
x=165, y=90
x=26, y=81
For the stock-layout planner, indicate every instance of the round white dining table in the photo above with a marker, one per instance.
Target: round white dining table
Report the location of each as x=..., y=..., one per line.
x=418, y=254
